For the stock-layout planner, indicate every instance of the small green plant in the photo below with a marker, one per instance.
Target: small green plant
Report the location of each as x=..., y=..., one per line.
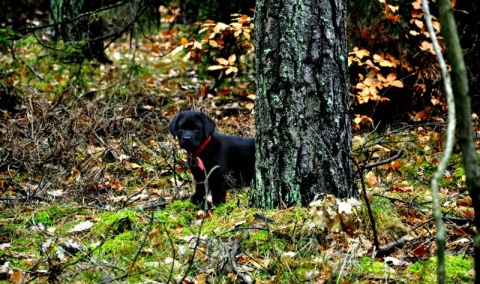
x=6, y=39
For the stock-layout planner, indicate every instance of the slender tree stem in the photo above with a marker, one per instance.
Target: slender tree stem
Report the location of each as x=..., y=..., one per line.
x=437, y=211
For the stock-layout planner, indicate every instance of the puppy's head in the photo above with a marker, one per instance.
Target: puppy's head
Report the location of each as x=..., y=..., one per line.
x=192, y=128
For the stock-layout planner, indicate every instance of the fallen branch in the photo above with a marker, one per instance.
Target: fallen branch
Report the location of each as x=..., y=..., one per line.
x=386, y=249
x=232, y=253
x=383, y=162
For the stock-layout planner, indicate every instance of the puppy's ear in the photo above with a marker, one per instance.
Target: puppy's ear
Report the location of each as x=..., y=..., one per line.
x=208, y=125
x=172, y=126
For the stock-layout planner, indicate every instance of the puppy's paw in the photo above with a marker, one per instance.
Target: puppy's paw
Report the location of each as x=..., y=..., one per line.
x=197, y=198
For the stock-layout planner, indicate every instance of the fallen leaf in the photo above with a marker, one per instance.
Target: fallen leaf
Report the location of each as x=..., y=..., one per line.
x=81, y=227
x=371, y=179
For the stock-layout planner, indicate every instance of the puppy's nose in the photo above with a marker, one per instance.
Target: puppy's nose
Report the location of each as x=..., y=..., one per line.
x=187, y=137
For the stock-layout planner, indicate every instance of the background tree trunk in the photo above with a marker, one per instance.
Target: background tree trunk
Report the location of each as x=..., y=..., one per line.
x=91, y=25
x=84, y=30
x=467, y=16
x=465, y=132
x=303, y=128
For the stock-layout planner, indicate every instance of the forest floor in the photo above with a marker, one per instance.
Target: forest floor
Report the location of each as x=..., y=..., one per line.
x=94, y=189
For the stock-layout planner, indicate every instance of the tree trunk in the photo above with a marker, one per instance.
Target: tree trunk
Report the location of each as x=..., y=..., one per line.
x=467, y=16
x=465, y=132
x=90, y=25
x=303, y=126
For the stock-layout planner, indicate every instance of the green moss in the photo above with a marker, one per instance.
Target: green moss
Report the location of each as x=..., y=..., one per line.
x=54, y=214
x=115, y=220
x=386, y=217
x=180, y=206
x=177, y=214
x=456, y=266
x=122, y=245
x=368, y=266
x=226, y=208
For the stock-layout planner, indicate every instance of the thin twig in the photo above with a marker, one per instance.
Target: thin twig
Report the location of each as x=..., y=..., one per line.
x=367, y=203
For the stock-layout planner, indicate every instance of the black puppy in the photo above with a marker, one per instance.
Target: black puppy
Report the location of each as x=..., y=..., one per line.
x=206, y=148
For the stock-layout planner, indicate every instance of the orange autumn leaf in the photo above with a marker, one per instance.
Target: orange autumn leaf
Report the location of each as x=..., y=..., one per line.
x=395, y=165
x=371, y=179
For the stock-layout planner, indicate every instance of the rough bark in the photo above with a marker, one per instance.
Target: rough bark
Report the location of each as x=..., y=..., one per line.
x=466, y=139
x=303, y=127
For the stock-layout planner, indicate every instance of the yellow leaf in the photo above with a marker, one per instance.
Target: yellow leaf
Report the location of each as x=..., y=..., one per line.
x=236, y=26
x=246, y=34
x=215, y=67
x=391, y=77
x=135, y=166
x=371, y=179
x=219, y=27
x=369, y=63
x=350, y=60
x=249, y=106
x=372, y=73
x=436, y=26
x=381, y=78
x=417, y=4
x=177, y=50
x=414, y=33
x=232, y=58
x=184, y=41
x=231, y=69
x=386, y=63
x=222, y=61
x=197, y=45
x=204, y=29
x=419, y=24
x=426, y=46
x=397, y=83
x=213, y=43
x=360, y=53
x=393, y=8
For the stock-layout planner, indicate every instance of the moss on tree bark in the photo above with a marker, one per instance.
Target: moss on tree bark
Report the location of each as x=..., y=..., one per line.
x=303, y=126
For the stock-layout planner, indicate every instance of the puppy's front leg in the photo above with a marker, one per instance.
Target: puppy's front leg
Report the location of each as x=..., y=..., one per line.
x=198, y=197
x=218, y=194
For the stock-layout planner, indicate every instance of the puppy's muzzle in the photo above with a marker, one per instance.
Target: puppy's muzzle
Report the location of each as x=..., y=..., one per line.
x=188, y=143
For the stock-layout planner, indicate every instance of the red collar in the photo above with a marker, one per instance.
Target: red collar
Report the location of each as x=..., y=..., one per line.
x=202, y=146
x=195, y=160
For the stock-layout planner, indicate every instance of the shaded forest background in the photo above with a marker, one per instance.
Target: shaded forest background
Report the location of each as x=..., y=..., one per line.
x=393, y=70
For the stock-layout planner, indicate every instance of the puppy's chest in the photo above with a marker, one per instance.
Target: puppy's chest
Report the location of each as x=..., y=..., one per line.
x=212, y=165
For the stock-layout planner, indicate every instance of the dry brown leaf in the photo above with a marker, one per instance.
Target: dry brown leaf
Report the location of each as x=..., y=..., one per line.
x=371, y=179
